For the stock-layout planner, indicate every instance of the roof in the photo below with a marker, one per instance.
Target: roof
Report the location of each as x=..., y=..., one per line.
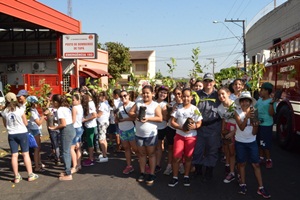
x=140, y=55
x=34, y=14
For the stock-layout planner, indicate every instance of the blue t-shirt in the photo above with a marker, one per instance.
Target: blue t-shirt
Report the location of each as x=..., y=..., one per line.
x=263, y=111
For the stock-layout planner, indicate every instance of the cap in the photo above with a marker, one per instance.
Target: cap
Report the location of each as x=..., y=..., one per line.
x=245, y=95
x=267, y=86
x=22, y=93
x=208, y=76
x=9, y=97
x=32, y=99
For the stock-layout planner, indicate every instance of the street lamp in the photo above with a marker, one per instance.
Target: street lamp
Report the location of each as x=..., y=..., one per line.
x=244, y=36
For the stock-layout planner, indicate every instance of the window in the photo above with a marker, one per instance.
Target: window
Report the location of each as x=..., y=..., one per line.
x=141, y=67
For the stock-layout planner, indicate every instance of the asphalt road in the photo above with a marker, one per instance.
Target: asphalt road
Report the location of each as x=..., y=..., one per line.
x=106, y=181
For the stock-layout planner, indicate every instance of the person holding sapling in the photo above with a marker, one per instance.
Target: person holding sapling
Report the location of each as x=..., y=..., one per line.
x=186, y=119
x=146, y=131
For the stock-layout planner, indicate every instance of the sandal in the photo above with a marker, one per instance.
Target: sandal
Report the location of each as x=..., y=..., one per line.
x=32, y=177
x=18, y=178
x=73, y=171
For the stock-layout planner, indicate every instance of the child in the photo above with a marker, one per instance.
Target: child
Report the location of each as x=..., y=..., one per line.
x=245, y=142
x=35, y=126
x=14, y=120
x=146, y=132
x=103, y=114
x=161, y=97
x=226, y=110
x=265, y=106
x=185, y=139
x=238, y=87
x=126, y=129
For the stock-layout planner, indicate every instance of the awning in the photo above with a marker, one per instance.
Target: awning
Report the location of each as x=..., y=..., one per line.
x=87, y=74
x=95, y=72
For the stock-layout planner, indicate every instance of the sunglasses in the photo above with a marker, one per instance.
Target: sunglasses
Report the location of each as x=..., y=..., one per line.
x=124, y=96
x=208, y=81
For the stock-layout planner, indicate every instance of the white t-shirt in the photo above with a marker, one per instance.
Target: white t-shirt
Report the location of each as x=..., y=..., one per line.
x=79, y=116
x=181, y=115
x=126, y=125
x=172, y=104
x=147, y=129
x=14, y=122
x=64, y=113
x=245, y=136
x=105, y=109
x=225, y=114
x=92, y=109
x=163, y=124
x=31, y=122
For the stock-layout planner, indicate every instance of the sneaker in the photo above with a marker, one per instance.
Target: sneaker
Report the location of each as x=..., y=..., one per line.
x=181, y=168
x=173, y=182
x=186, y=181
x=230, y=177
x=261, y=160
x=32, y=177
x=18, y=178
x=102, y=159
x=157, y=169
x=168, y=170
x=147, y=169
x=263, y=192
x=128, y=169
x=141, y=178
x=269, y=164
x=243, y=189
x=150, y=179
x=87, y=163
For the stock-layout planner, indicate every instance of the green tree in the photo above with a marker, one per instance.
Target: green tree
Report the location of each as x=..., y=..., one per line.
x=228, y=74
x=158, y=75
x=118, y=59
x=172, y=66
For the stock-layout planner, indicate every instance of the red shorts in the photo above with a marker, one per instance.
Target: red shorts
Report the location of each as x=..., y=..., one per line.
x=183, y=146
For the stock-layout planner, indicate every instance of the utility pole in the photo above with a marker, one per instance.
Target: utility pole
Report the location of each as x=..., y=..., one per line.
x=213, y=63
x=237, y=66
x=244, y=38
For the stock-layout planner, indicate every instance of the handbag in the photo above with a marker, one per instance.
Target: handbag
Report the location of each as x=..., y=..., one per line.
x=31, y=141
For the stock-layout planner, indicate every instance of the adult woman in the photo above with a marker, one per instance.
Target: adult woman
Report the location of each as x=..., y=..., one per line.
x=35, y=128
x=77, y=116
x=15, y=122
x=146, y=131
x=126, y=129
x=65, y=125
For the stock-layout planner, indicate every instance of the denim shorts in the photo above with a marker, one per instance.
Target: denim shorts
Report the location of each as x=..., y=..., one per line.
x=77, y=139
x=146, y=141
x=128, y=135
x=15, y=140
x=264, y=137
x=246, y=152
x=35, y=132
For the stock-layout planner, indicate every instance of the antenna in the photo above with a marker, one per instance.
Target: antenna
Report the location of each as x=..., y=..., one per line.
x=70, y=8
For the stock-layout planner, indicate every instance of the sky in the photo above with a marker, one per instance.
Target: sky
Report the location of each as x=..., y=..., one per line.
x=172, y=28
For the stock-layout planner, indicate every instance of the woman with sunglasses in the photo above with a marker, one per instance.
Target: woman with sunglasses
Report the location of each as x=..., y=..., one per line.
x=126, y=129
x=146, y=131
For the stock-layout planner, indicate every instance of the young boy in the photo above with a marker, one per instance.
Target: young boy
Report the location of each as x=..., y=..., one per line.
x=245, y=142
x=265, y=106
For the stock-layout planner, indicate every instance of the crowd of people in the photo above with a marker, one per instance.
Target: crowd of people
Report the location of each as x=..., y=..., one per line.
x=227, y=119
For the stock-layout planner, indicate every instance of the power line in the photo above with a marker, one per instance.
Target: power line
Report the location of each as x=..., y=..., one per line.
x=182, y=44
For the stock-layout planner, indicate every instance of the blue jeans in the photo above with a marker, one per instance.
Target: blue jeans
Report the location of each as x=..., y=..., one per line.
x=67, y=136
x=55, y=137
